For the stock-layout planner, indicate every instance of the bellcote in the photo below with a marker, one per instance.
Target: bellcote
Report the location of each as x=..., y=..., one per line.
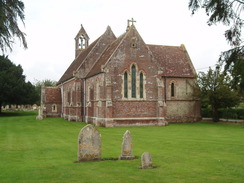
x=81, y=41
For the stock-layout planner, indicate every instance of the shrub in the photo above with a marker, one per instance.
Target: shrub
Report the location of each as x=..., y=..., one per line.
x=229, y=113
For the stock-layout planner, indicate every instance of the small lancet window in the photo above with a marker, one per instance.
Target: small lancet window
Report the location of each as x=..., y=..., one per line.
x=133, y=81
x=172, y=89
x=54, y=108
x=141, y=85
x=126, y=85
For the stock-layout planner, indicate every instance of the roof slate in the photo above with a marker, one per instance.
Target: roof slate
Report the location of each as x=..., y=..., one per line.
x=173, y=60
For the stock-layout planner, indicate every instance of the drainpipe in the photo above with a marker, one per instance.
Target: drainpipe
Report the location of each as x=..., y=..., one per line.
x=165, y=90
x=84, y=101
x=62, y=94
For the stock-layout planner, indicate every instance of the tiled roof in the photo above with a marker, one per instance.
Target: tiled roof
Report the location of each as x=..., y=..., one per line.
x=173, y=60
x=97, y=68
x=76, y=63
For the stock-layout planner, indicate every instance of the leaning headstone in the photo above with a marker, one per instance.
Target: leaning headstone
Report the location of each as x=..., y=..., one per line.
x=146, y=160
x=126, y=152
x=40, y=116
x=89, y=144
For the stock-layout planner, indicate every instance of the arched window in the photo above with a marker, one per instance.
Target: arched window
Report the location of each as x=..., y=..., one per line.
x=81, y=42
x=54, y=108
x=126, y=85
x=141, y=85
x=133, y=81
x=172, y=89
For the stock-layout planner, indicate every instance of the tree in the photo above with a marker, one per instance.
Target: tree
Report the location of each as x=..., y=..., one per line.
x=14, y=89
x=10, y=12
x=230, y=13
x=216, y=91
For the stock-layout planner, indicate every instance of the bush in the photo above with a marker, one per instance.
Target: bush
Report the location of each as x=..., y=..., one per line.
x=229, y=113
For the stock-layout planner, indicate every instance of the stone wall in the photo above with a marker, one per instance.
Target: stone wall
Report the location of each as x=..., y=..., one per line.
x=72, y=93
x=183, y=106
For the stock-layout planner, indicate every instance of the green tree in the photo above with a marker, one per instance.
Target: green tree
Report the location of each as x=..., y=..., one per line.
x=10, y=12
x=230, y=13
x=14, y=89
x=215, y=90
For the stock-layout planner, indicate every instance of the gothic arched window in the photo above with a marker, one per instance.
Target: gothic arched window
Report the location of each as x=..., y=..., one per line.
x=172, y=89
x=133, y=81
x=126, y=85
x=141, y=85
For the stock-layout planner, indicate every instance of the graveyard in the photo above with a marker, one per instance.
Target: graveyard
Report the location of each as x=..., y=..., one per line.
x=46, y=151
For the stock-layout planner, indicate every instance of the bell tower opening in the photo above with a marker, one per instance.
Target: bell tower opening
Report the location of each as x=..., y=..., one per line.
x=81, y=41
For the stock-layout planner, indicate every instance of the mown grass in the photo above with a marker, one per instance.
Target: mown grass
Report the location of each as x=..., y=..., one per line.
x=45, y=151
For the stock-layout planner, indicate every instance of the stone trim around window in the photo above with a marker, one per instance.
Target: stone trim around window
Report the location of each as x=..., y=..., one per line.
x=133, y=83
x=54, y=108
x=172, y=89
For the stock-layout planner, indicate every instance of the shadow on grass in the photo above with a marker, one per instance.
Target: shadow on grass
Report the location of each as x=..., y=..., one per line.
x=17, y=113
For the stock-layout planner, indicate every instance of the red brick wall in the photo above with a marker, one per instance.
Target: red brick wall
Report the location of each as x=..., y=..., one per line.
x=130, y=109
x=72, y=100
x=53, y=97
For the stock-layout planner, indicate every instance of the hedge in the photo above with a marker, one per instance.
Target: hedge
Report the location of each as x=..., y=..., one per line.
x=230, y=113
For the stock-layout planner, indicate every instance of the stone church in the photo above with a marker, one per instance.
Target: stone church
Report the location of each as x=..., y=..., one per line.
x=124, y=82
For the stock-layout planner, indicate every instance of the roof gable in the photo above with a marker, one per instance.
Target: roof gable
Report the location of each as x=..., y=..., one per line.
x=113, y=47
x=98, y=67
x=81, y=31
x=174, y=61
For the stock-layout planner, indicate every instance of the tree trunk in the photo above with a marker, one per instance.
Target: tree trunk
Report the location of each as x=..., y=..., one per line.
x=215, y=114
x=0, y=107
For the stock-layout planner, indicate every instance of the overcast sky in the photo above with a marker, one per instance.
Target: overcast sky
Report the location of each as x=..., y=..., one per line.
x=51, y=26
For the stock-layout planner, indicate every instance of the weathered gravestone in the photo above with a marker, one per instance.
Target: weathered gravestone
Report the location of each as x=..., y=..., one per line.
x=40, y=115
x=89, y=144
x=126, y=152
x=146, y=160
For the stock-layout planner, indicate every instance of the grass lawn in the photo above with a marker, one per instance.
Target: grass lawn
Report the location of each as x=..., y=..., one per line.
x=45, y=151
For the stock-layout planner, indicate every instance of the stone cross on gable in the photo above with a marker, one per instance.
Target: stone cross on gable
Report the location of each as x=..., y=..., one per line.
x=132, y=21
x=128, y=23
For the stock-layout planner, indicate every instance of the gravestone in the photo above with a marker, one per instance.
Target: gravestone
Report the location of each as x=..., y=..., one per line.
x=40, y=115
x=146, y=160
x=89, y=144
x=126, y=152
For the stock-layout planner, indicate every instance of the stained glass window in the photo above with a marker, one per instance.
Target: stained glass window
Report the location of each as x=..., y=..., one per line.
x=125, y=85
x=141, y=85
x=133, y=81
